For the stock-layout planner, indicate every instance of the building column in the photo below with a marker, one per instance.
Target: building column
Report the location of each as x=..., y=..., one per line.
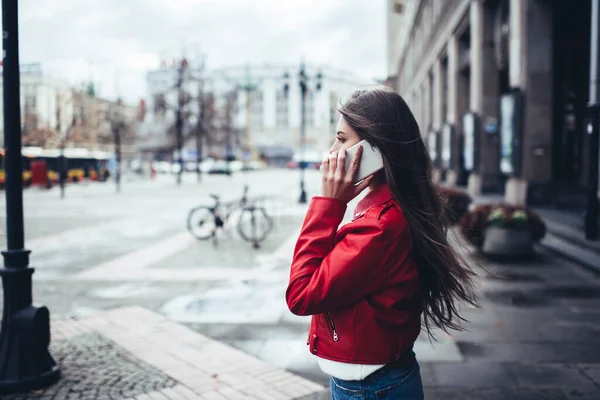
x=423, y=109
x=484, y=98
x=476, y=84
x=452, y=110
x=438, y=84
x=428, y=111
x=437, y=118
x=516, y=187
x=530, y=70
x=414, y=104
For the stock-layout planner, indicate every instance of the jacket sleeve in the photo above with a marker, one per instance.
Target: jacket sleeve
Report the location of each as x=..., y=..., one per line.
x=326, y=276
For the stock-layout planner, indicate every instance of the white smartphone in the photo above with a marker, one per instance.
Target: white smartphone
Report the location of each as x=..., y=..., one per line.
x=370, y=162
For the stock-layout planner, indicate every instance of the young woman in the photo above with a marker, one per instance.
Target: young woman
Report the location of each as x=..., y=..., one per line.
x=372, y=283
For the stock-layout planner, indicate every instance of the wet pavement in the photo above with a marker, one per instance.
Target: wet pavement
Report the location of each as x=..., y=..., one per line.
x=537, y=334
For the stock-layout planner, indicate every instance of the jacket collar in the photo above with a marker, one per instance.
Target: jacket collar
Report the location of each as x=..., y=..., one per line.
x=381, y=194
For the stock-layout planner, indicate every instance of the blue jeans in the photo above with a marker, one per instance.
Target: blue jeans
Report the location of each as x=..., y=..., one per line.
x=390, y=382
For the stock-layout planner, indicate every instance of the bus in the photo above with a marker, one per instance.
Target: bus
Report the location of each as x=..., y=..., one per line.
x=80, y=164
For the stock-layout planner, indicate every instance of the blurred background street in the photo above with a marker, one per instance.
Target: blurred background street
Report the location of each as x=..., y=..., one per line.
x=534, y=336
x=119, y=118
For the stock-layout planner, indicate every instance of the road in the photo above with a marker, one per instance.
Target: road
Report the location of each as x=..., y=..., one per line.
x=536, y=334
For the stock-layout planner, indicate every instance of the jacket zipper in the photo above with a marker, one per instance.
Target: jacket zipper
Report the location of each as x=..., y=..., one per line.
x=335, y=335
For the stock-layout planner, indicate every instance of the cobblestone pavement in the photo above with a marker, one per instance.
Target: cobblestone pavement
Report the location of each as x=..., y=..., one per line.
x=103, y=357
x=536, y=335
x=93, y=367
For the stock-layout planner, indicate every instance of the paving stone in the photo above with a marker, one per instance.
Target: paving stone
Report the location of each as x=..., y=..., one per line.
x=592, y=371
x=493, y=394
x=93, y=367
x=563, y=376
x=472, y=374
x=543, y=352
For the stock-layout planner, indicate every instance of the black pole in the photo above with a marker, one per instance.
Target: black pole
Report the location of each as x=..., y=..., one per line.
x=179, y=122
x=199, y=130
x=25, y=362
x=117, y=135
x=118, y=157
x=62, y=170
x=303, y=90
x=593, y=108
x=117, y=126
x=229, y=130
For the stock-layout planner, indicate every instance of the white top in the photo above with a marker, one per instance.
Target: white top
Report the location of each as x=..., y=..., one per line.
x=347, y=371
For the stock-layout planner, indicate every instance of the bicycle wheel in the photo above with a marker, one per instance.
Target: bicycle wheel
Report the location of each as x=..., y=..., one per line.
x=201, y=223
x=254, y=224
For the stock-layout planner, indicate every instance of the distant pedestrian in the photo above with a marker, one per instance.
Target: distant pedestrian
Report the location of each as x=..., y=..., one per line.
x=372, y=284
x=152, y=171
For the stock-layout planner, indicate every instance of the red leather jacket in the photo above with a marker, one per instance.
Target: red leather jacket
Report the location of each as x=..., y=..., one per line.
x=359, y=283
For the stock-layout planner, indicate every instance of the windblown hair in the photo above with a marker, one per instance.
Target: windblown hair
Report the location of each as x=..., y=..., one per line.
x=382, y=118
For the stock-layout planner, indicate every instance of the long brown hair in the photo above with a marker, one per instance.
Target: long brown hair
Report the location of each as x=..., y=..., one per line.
x=382, y=118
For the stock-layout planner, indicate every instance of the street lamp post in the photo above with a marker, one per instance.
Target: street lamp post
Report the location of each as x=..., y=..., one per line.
x=303, y=80
x=62, y=169
x=200, y=124
x=248, y=86
x=25, y=362
x=179, y=118
x=593, y=128
x=117, y=125
x=200, y=129
x=229, y=129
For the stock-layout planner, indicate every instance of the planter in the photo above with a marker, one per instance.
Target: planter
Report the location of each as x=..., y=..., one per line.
x=507, y=243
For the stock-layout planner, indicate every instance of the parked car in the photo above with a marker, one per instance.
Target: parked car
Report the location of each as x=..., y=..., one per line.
x=220, y=167
x=162, y=167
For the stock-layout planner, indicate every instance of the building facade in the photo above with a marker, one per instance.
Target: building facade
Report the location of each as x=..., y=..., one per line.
x=266, y=117
x=499, y=90
x=54, y=114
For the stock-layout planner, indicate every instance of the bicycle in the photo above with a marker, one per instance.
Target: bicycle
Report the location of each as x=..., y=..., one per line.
x=204, y=221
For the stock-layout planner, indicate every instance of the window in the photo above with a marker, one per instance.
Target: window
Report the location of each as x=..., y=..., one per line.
x=281, y=112
x=256, y=109
x=310, y=108
x=30, y=103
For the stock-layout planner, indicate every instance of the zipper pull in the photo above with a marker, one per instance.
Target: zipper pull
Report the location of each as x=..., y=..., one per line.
x=335, y=335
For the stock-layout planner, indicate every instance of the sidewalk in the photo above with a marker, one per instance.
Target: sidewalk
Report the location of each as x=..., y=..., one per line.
x=132, y=353
x=566, y=236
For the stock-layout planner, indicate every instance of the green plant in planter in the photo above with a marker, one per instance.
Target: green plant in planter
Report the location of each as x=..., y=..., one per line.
x=475, y=222
x=501, y=217
x=497, y=218
x=519, y=220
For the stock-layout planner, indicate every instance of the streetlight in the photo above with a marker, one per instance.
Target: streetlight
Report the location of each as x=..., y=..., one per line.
x=179, y=117
x=593, y=128
x=182, y=99
x=248, y=86
x=303, y=80
x=200, y=124
x=25, y=362
x=117, y=124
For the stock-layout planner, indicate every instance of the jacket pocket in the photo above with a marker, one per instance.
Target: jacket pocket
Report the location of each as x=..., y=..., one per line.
x=313, y=343
x=333, y=330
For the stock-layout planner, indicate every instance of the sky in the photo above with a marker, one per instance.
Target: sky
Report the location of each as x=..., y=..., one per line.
x=115, y=42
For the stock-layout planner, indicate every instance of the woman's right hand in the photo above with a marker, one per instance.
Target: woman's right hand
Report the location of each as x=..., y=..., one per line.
x=337, y=183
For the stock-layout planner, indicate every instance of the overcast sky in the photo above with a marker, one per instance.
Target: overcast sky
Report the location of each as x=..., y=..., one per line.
x=116, y=41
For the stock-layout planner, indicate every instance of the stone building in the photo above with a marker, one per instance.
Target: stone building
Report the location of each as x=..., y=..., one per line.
x=499, y=88
x=55, y=114
x=266, y=118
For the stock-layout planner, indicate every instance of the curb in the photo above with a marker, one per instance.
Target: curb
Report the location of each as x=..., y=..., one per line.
x=572, y=252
